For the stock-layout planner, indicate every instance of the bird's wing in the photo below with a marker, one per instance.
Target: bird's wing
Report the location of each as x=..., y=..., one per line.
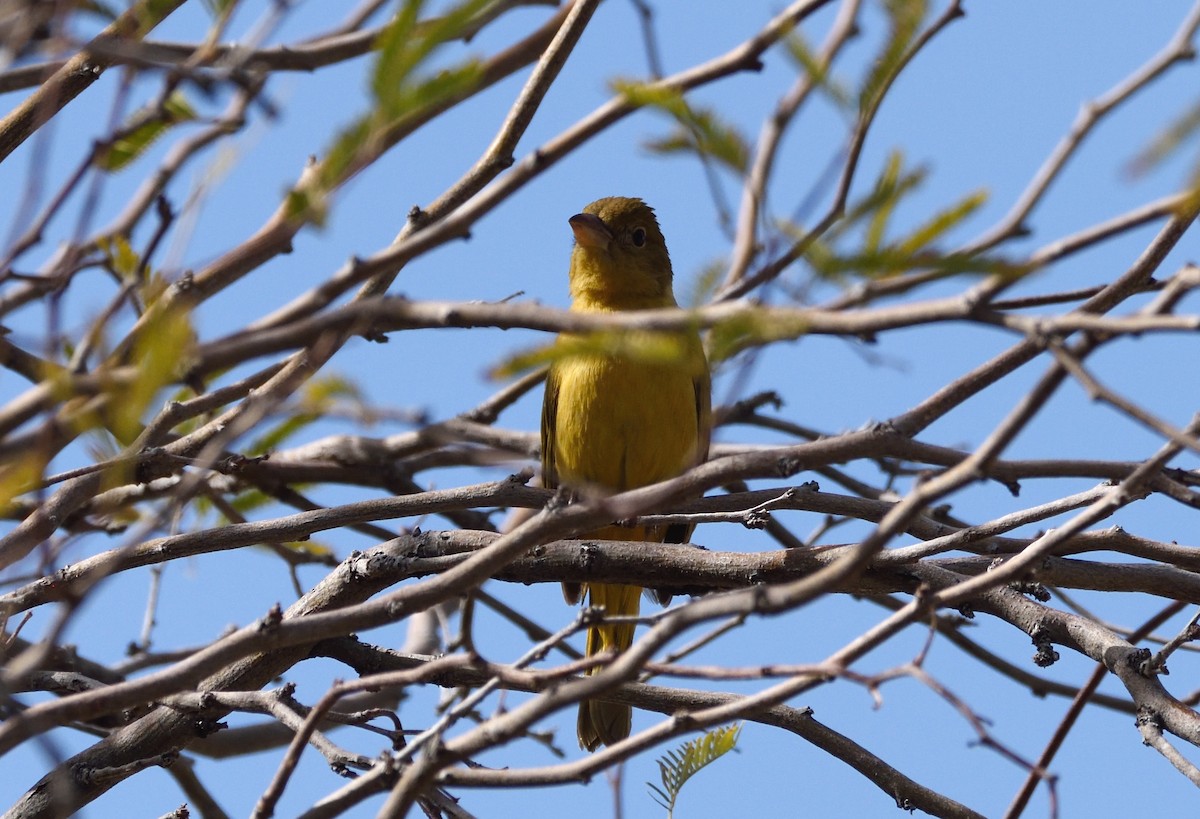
x=549, y=422
x=571, y=591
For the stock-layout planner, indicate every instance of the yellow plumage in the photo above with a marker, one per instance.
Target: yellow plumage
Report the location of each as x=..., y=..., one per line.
x=615, y=421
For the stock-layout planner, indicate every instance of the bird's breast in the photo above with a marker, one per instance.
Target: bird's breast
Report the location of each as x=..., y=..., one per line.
x=622, y=423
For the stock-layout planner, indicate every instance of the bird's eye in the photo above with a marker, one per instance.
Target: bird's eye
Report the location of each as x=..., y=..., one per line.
x=639, y=237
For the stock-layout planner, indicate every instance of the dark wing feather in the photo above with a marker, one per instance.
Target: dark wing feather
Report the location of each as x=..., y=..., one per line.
x=549, y=422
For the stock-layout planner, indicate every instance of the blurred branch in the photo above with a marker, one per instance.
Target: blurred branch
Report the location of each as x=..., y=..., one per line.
x=1179, y=49
x=77, y=74
x=858, y=136
x=754, y=190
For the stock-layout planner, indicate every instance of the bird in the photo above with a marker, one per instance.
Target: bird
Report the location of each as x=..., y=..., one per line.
x=614, y=419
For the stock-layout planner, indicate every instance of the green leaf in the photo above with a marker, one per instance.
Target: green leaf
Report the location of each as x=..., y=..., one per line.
x=751, y=329
x=104, y=11
x=876, y=256
x=148, y=14
x=942, y=222
x=315, y=402
x=705, y=283
x=408, y=42
x=888, y=194
x=320, y=393
x=643, y=95
x=142, y=130
x=318, y=550
x=276, y=435
x=250, y=501
x=160, y=354
x=305, y=203
x=430, y=92
x=875, y=208
x=677, y=767
x=399, y=91
x=1192, y=201
x=219, y=8
x=21, y=474
x=808, y=62
x=707, y=136
x=1186, y=126
x=905, y=18
x=891, y=261
x=663, y=348
x=399, y=51
x=699, y=130
x=310, y=198
x=121, y=256
x=822, y=259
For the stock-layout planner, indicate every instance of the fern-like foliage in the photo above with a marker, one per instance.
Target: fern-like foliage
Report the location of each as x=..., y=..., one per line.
x=678, y=766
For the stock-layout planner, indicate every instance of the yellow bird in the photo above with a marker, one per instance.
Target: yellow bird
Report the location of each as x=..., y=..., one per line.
x=613, y=421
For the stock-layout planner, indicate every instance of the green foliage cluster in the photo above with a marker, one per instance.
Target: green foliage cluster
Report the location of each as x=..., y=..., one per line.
x=680, y=765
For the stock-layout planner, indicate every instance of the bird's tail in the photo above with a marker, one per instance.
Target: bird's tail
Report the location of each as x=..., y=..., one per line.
x=607, y=722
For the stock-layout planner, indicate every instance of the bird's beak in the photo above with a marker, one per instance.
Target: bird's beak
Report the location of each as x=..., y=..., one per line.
x=590, y=231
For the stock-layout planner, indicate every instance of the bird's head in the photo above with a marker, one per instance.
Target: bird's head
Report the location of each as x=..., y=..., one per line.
x=620, y=259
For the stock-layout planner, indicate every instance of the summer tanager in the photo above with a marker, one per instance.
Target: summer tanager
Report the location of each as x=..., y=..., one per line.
x=614, y=421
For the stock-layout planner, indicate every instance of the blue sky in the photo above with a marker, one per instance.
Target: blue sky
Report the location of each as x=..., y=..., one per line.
x=980, y=109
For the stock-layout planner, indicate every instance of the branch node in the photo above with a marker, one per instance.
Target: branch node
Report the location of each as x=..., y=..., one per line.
x=591, y=615
x=756, y=519
x=236, y=462
x=1031, y=588
x=272, y=619
x=207, y=727
x=521, y=478
x=1141, y=661
x=1147, y=716
x=685, y=721
x=787, y=466
x=1045, y=656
